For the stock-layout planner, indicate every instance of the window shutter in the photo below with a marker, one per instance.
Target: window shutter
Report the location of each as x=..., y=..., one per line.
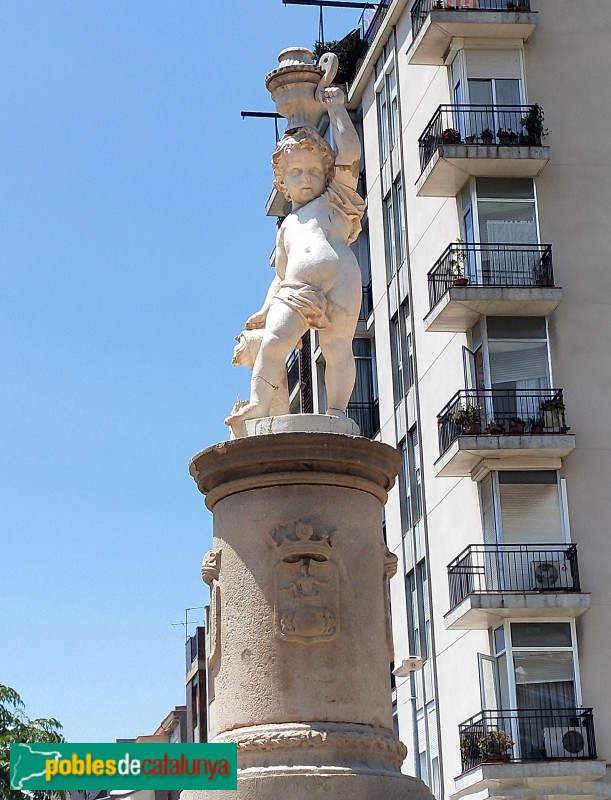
x=531, y=513
x=521, y=364
x=432, y=723
x=493, y=64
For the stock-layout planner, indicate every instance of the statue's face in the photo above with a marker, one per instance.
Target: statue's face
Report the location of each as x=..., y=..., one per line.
x=304, y=175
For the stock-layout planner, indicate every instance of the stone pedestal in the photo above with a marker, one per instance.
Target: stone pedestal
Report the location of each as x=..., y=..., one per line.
x=299, y=638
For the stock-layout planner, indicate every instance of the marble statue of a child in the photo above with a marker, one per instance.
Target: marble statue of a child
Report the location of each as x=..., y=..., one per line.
x=318, y=280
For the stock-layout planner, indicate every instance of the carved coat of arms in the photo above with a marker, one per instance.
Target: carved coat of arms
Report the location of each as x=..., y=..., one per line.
x=306, y=586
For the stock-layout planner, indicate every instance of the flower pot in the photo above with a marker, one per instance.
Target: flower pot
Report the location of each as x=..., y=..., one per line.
x=543, y=282
x=552, y=421
x=536, y=429
x=471, y=428
x=486, y=139
x=469, y=139
x=517, y=428
x=460, y=282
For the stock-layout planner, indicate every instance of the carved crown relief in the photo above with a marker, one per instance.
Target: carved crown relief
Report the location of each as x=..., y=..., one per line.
x=211, y=569
x=306, y=585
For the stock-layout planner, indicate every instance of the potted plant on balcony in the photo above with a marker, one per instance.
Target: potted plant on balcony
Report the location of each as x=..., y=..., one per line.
x=495, y=746
x=537, y=425
x=469, y=748
x=458, y=256
x=487, y=136
x=495, y=428
x=517, y=425
x=506, y=136
x=469, y=418
x=533, y=124
x=552, y=412
x=450, y=136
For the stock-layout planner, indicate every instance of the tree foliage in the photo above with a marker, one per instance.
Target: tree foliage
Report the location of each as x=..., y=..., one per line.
x=17, y=727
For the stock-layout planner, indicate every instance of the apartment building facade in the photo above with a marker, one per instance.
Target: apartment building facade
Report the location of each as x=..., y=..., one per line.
x=482, y=356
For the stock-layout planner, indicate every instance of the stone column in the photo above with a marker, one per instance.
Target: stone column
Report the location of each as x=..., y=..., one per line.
x=299, y=628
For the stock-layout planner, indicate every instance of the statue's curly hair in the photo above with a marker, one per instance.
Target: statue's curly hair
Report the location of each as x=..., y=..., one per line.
x=302, y=139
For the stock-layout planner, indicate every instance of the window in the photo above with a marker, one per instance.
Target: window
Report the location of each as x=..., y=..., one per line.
x=395, y=239
x=402, y=354
x=521, y=507
x=410, y=480
x=388, y=110
x=363, y=407
x=501, y=211
x=418, y=610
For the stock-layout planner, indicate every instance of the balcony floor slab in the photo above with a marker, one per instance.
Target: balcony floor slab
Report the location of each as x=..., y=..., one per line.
x=481, y=611
x=441, y=26
x=453, y=164
x=461, y=306
x=470, y=455
x=536, y=780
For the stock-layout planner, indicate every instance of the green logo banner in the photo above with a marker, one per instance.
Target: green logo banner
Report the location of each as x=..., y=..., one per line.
x=131, y=766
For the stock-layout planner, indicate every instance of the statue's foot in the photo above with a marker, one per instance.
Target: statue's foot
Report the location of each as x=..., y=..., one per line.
x=247, y=411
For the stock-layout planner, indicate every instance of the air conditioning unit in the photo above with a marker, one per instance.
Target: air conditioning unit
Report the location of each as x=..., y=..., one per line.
x=547, y=574
x=565, y=742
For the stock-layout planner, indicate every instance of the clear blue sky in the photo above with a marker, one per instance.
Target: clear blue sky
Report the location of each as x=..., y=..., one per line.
x=133, y=245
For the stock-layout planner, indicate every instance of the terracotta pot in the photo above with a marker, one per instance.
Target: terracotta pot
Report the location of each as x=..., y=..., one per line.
x=517, y=427
x=536, y=429
x=460, y=282
x=471, y=428
x=486, y=139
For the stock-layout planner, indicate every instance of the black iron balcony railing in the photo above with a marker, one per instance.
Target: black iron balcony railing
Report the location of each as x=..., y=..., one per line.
x=506, y=568
x=499, y=264
x=480, y=125
x=370, y=24
x=366, y=302
x=501, y=412
x=539, y=734
x=421, y=8
x=366, y=416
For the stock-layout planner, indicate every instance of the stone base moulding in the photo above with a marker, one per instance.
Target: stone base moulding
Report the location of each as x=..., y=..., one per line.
x=346, y=746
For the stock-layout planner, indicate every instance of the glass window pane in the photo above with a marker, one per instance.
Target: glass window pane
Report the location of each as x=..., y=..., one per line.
x=508, y=188
x=499, y=640
x=543, y=667
x=541, y=634
x=507, y=222
x=516, y=328
x=537, y=476
x=480, y=92
x=507, y=92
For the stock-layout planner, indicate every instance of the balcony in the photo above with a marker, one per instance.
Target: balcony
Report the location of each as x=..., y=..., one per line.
x=491, y=279
x=490, y=582
x=513, y=429
x=366, y=416
x=435, y=23
x=462, y=141
x=545, y=734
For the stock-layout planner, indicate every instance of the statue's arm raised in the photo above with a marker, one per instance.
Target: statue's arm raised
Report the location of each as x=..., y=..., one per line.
x=347, y=143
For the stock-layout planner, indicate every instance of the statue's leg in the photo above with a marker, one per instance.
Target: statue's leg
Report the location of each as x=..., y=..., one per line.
x=284, y=327
x=340, y=369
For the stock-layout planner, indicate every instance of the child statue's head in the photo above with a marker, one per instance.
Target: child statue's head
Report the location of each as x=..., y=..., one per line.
x=296, y=142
